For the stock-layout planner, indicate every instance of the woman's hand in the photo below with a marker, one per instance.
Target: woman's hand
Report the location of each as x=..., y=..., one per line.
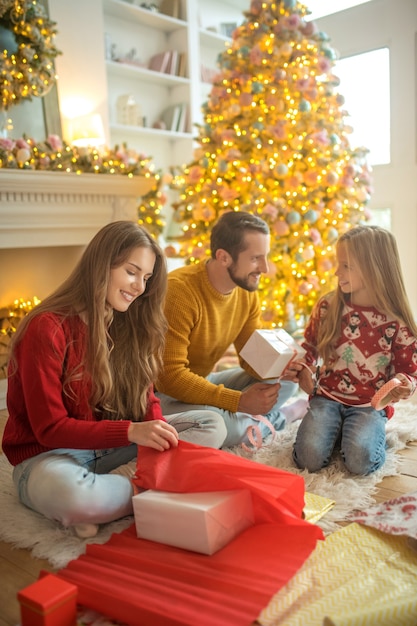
x=155, y=434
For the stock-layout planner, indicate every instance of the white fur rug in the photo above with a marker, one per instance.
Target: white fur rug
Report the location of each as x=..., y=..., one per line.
x=25, y=529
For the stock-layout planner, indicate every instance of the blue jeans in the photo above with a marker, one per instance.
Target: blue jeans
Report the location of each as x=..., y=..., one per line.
x=236, y=423
x=75, y=486
x=359, y=430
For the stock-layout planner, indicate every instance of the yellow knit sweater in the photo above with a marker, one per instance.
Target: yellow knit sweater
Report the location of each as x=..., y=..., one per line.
x=203, y=323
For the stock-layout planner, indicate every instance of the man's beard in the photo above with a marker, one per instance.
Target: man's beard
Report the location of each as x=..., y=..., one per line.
x=241, y=282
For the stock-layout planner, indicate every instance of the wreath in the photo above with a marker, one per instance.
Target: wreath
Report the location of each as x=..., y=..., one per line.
x=26, y=51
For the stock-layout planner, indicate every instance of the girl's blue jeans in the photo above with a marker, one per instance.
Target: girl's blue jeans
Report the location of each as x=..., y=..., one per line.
x=360, y=431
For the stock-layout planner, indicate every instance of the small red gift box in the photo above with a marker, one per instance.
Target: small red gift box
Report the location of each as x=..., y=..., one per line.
x=50, y=601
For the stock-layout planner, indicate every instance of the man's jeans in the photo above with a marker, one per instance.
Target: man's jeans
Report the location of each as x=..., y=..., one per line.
x=237, y=424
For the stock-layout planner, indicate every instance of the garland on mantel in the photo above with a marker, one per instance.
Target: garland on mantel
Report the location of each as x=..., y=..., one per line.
x=53, y=155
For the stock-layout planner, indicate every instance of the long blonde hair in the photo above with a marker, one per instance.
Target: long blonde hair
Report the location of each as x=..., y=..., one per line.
x=375, y=251
x=124, y=350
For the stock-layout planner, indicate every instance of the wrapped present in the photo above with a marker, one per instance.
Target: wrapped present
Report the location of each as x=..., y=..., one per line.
x=269, y=352
x=50, y=601
x=240, y=578
x=201, y=522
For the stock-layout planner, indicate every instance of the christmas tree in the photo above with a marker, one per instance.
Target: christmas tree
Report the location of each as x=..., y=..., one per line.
x=275, y=142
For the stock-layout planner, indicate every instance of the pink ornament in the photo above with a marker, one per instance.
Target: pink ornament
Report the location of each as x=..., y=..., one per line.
x=22, y=155
x=22, y=143
x=245, y=99
x=308, y=254
x=304, y=289
x=270, y=210
x=281, y=228
x=286, y=49
x=310, y=177
x=332, y=178
x=315, y=236
x=55, y=142
x=195, y=174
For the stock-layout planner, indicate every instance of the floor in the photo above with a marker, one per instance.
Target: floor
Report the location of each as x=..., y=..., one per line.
x=18, y=569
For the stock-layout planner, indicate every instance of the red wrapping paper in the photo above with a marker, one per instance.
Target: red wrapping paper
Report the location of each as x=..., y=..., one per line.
x=144, y=583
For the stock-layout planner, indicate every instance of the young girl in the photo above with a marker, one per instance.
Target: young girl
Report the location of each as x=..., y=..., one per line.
x=80, y=384
x=363, y=334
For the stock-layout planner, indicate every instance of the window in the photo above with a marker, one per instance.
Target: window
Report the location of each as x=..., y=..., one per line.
x=365, y=85
x=320, y=8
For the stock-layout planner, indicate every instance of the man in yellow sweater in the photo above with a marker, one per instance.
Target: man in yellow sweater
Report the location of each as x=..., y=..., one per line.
x=210, y=306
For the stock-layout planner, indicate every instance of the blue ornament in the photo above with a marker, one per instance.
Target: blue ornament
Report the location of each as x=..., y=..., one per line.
x=332, y=235
x=282, y=169
x=258, y=125
x=329, y=53
x=334, y=139
x=311, y=216
x=304, y=106
x=299, y=257
x=257, y=87
x=289, y=4
x=293, y=218
x=244, y=51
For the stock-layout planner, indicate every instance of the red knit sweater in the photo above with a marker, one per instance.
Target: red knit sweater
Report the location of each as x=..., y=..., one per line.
x=41, y=416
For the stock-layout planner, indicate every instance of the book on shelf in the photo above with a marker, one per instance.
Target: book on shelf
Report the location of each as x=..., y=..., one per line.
x=170, y=117
x=159, y=62
x=173, y=63
x=182, y=121
x=171, y=8
x=167, y=62
x=175, y=117
x=182, y=65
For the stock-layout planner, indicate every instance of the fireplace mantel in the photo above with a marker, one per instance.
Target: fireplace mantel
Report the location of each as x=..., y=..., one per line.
x=40, y=209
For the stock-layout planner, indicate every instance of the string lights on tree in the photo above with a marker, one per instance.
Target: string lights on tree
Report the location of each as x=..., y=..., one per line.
x=275, y=142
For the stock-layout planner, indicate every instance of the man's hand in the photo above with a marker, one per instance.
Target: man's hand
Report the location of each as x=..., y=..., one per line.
x=155, y=434
x=259, y=398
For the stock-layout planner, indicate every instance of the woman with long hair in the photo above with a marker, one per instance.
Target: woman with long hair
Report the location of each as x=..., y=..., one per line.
x=80, y=384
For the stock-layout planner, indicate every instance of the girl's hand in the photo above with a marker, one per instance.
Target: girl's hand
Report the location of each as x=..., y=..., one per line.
x=403, y=391
x=292, y=371
x=155, y=434
x=306, y=381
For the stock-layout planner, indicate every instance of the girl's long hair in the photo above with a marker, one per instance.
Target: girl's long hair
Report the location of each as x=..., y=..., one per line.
x=374, y=250
x=124, y=349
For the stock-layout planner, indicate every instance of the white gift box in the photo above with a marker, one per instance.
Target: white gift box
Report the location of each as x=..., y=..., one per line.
x=201, y=522
x=268, y=352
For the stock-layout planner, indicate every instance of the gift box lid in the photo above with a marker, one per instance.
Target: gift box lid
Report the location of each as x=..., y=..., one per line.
x=47, y=593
